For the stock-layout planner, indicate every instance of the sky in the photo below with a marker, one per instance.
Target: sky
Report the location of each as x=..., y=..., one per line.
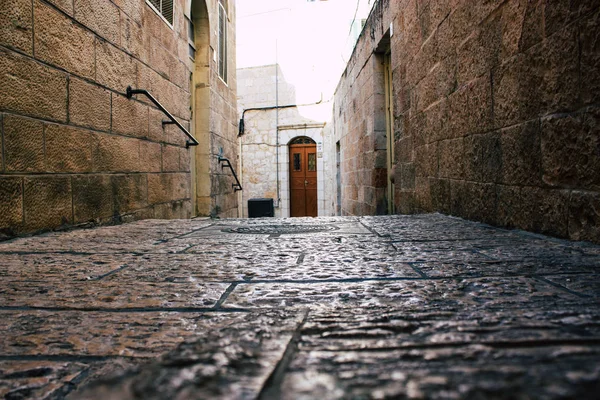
x=311, y=41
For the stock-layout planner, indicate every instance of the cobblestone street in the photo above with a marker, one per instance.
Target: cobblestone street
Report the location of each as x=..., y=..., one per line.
x=424, y=306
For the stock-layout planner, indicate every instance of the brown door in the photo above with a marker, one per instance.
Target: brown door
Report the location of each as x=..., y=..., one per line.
x=303, y=180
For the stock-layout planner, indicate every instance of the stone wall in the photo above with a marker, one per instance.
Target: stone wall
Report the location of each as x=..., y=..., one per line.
x=258, y=157
x=74, y=149
x=496, y=114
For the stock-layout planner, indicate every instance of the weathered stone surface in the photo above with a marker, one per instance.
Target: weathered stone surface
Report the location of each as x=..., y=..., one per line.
x=92, y=198
x=59, y=41
x=89, y=105
x=170, y=158
x=32, y=88
x=93, y=295
x=116, y=153
x=101, y=16
x=570, y=147
x=68, y=149
x=16, y=25
x=130, y=192
x=11, y=209
x=584, y=216
x=129, y=117
x=234, y=361
x=47, y=202
x=38, y=379
x=165, y=187
x=422, y=306
x=521, y=155
x=23, y=144
x=114, y=68
x=139, y=335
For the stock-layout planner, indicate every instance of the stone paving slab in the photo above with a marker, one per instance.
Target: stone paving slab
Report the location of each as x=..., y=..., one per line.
x=484, y=292
x=117, y=294
x=105, y=334
x=423, y=306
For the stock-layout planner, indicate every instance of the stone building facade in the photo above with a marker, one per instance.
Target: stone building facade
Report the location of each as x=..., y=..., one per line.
x=272, y=120
x=75, y=149
x=483, y=110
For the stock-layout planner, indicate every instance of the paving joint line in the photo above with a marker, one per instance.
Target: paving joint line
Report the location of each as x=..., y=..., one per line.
x=68, y=358
x=224, y=296
x=499, y=345
x=183, y=234
x=114, y=271
x=190, y=310
x=418, y=270
x=272, y=387
x=559, y=286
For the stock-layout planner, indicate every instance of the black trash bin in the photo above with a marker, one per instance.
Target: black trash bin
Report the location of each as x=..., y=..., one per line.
x=258, y=208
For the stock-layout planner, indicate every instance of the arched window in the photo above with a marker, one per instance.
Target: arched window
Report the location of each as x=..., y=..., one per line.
x=302, y=140
x=222, y=50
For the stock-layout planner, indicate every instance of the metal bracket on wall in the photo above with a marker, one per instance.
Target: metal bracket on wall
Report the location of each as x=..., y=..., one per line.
x=171, y=121
x=226, y=163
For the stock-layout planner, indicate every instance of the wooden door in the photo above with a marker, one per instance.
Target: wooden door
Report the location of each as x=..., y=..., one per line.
x=303, y=180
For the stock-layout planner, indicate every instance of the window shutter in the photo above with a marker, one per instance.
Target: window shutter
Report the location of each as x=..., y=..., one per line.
x=165, y=8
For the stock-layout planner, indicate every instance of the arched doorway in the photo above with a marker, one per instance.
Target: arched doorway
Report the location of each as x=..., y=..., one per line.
x=303, y=177
x=199, y=47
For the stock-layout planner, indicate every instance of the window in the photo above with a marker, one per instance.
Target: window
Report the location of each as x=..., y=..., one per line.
x=223, y=40
x=163, y=8
x=191, y=38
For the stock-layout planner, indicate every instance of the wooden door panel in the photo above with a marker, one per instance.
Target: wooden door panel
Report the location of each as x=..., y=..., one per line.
x=303, y=180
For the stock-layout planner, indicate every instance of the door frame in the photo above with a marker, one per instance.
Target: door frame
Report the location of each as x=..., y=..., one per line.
x=303, y=142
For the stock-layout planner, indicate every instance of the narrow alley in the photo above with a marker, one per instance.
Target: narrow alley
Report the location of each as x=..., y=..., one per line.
x=423, y=306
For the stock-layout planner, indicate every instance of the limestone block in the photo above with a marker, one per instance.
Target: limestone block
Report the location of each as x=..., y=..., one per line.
x=47, y=202
x=114, y=68
x=163, y=188
x=584, y=216
x=101, y=16
x=130, y=192
x=150, y=156
x=11, y=203
x=483, y=158
x=521, y=155
x=129, y=117
x=115, y=153
x=60, y=42
x=541, y=81
x=92, y=197
x=426, y=160
x=32, y=88
x=16, y=24
x=133, y=8
x=590, y=58
x=544, y=210
x=68, y=149
x=451, y=158
x=570, y=146
x=89, y=105
x=133, y=37
x=23, y=144
x=65, y=5
x=508, y=205
x=170, y=158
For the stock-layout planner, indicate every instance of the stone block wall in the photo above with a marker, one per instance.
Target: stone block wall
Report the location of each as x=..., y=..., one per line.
x=259, y=159
x=74, y=149
x=496, y=112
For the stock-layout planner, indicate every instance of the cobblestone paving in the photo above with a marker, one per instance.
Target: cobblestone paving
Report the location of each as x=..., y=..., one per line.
x=413, y=307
